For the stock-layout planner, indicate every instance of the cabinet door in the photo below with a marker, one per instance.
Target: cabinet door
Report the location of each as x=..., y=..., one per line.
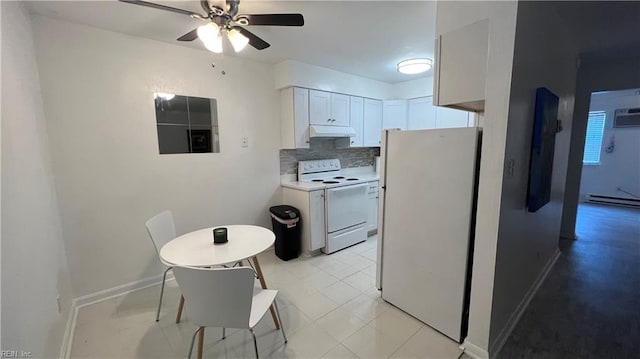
x=339, y=110
x=301, y=117
x=316, y=219
x=356, y=119
x=319, y=107
x=372, y=131
x=294, y=117
x=461, y=66
x=422, y=114
x=450, y=118
x=394, y=114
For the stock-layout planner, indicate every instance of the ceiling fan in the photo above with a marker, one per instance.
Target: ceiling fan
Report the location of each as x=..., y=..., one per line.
x=222, y=17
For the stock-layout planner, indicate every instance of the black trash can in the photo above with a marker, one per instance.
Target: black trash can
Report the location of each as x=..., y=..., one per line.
x=286, y=226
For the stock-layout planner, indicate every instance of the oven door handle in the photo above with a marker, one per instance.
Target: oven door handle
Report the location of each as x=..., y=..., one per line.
x=352, y=187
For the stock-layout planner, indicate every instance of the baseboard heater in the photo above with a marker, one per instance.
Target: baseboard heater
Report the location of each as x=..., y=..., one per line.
x=615, y=201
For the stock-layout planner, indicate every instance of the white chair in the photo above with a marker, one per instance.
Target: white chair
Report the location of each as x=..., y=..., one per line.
x=162, y=230
x=224, y=297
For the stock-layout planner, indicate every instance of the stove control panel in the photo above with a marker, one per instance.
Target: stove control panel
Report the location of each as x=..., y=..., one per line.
x=305, y=167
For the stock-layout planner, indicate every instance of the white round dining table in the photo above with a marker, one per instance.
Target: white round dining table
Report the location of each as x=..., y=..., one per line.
x=196, y=249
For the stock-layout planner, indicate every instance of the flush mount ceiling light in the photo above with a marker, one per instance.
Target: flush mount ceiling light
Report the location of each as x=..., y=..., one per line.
x=414, y=66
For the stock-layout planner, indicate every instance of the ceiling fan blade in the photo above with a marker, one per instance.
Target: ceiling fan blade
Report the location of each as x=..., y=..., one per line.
x=189, y=36
x=164, y=7
x=254, y=40
x=275, y=19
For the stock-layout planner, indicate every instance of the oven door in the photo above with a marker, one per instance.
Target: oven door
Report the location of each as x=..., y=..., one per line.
x=346, y=206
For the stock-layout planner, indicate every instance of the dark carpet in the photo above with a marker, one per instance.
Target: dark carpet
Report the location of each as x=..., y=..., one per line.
x=589, y=306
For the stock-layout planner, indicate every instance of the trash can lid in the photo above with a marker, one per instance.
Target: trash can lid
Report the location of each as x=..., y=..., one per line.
x=285, y=212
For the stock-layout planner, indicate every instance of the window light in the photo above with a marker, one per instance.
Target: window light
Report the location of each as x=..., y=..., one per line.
x=593, y=139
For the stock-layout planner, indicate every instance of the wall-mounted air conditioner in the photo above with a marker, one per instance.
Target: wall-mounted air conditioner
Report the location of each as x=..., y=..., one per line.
x=627, y=117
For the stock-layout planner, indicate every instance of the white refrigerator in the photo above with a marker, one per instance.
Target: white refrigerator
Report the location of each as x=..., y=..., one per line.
x=428, y=184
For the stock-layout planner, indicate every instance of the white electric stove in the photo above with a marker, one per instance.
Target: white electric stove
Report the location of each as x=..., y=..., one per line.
x=345, y=203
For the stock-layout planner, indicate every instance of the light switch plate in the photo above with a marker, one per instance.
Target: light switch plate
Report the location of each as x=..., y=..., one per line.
x=244, y=142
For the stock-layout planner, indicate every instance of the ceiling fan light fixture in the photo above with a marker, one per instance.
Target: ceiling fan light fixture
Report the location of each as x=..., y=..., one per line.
x=209, y=32
x=238, y=41
x=415, y=66
x=214, y=45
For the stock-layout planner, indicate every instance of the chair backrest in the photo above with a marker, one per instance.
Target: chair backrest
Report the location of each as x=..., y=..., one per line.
x=161, y=229
x=219, y=297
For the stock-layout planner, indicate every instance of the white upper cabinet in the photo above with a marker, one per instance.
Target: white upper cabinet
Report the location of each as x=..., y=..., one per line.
x=357, y=120
x=461, y=67
x=295, y=117
x=422, y=114
x=339, y=109
x=319, y=107
x=372, y=130
x=326, y=108
x=394, y=114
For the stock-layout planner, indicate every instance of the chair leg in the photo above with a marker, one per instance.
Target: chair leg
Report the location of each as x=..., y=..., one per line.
x=280, y=320
x=255, y=343
x=200, y=342
x=164, y=277
x=224, y=333
x=193, y=339
x=180, y=306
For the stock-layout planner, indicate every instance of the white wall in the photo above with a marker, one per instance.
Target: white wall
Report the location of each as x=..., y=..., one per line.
x=293, y=73
x=606, y=75
x=413, y=88
x=451, y=15
x=621, y=167
x=98, y=96
x=34, y=265
x=544, y=56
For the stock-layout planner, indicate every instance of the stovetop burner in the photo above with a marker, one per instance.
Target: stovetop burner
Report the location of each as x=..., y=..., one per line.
x=352, y=179
x=317, y=180
x=338, y=177
x=330, y=182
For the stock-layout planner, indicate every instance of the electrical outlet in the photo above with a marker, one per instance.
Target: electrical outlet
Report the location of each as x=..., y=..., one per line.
x=244, y=142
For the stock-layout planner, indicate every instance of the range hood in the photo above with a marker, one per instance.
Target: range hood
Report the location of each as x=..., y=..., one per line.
x=331, y=131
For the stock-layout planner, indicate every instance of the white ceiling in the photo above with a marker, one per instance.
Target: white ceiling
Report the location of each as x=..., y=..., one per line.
x=365, y=38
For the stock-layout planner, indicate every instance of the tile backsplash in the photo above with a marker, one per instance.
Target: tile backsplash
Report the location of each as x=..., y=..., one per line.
x=325, y=149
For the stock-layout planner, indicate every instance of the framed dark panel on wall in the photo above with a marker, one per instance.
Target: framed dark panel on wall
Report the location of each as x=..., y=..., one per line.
x=545, y=124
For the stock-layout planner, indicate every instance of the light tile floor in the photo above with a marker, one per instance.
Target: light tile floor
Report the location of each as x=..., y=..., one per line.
x=329, y=306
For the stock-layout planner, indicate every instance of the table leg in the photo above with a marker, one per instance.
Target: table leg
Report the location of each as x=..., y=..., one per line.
x=200, y=342
x=263, y=284
x=180, y=306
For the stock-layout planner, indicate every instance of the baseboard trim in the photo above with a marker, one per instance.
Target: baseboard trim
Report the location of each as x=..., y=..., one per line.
x=67, y=338
x=522, y=306
x=473, y=350
x=93, y=298
x=569, y=236
x=120, y=290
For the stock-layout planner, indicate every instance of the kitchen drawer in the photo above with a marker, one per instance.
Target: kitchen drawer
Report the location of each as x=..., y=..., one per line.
x=344, y=238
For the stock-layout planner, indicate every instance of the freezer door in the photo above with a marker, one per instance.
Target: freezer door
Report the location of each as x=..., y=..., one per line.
x=428, y=204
